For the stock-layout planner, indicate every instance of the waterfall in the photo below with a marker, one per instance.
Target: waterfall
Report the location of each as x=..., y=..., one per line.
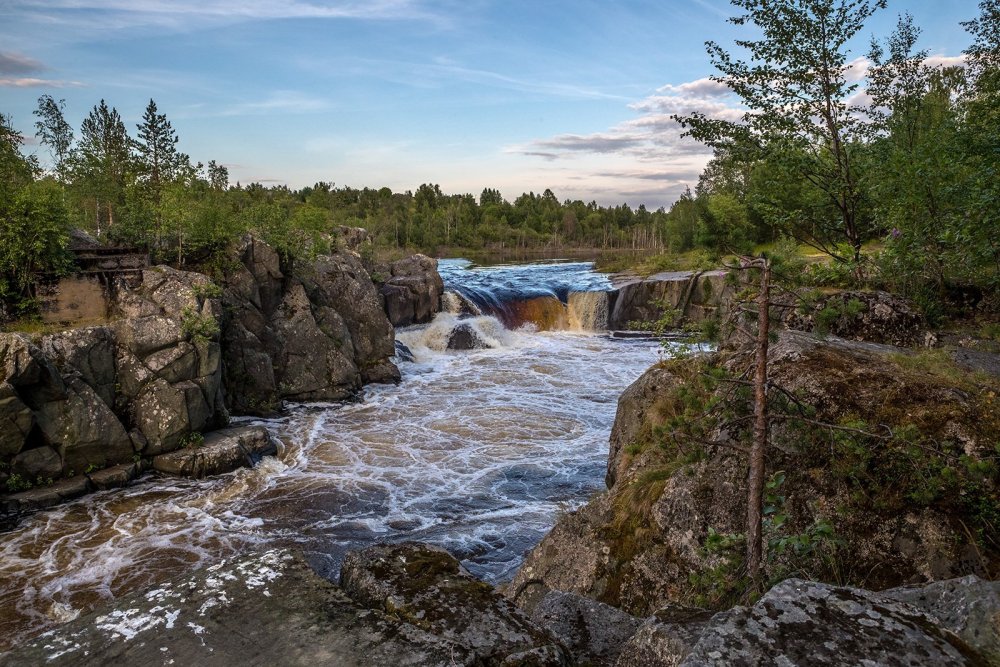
x=588, y=311
x=457, y=304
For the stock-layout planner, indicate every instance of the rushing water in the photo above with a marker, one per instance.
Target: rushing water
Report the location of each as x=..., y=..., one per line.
x=477, y=451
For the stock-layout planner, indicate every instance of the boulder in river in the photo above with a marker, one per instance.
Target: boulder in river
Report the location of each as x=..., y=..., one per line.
x=465, y=337
x=412, y=290
x=219, y=452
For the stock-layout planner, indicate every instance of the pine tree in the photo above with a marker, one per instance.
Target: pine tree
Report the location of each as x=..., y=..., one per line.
x=104, y=161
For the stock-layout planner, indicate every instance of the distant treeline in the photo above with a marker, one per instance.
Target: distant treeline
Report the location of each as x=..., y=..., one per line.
x=907, y=157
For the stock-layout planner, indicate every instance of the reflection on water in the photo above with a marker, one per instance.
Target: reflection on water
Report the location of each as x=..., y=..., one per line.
x=476, y=451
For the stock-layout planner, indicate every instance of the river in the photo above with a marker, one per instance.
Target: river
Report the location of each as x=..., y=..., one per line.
x=477, y=451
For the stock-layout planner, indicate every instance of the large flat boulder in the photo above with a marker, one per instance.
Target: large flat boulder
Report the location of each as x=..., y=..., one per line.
x=219, y=452
x=806, y=623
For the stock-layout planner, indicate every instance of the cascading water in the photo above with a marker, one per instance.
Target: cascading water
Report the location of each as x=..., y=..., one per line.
x=476, y=451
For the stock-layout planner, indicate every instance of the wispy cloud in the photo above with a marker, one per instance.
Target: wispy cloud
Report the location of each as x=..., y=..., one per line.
x=182, y=14
x=29, y=82
x=279, y=101
x=17, y=63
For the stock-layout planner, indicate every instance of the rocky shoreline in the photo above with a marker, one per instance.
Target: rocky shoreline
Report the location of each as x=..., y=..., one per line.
x=91, y=408
x=643, y=574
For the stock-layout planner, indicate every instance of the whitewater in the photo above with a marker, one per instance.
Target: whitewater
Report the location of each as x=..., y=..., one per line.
x=477, y=451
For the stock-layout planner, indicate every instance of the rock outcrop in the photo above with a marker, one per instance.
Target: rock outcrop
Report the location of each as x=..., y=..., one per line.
x=426, y=587
x=272, y=609
x=317, y=332
x=687, y=296
x=876, y=317
x=86, y=399
x=412, y=290
x=803, y=623
x=881, y=498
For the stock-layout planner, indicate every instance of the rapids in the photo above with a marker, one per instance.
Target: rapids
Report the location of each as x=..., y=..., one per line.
x=476, y=451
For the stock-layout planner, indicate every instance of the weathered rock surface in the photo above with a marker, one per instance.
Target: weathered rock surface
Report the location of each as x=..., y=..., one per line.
x=426, y=587
x=807, y=623
x=877, y=317
x=317, y=332
x=665, y=638
x=169, y=372
x=968, y=607
x=220, y=452
x=593, y=632
x=695, y=296
x=412, y=290
x=266, y=609
x=636, y=416
x=637, y=546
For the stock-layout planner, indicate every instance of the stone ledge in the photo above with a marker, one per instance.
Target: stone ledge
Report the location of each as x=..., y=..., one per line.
x=222, y=451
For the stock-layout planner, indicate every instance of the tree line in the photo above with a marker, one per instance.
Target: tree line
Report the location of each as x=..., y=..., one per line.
x=906, y=158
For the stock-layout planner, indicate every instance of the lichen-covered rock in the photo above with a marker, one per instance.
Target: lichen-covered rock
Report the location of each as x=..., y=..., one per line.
x=412, y=290
x=593, y=632
x=807, y=623
x=219, y=452
x=317, y=332
x=877, y=317
x=88, y=352
x=665, y=638
x=968, y=607
x=426, y=587
x=262, y=609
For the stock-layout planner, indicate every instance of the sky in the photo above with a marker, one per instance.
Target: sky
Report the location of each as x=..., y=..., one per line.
x=519, y=95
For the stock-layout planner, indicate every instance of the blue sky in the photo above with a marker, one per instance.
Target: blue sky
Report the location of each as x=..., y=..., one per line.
x=572, y=95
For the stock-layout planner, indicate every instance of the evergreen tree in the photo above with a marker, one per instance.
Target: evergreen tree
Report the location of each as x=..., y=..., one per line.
x=103, y=162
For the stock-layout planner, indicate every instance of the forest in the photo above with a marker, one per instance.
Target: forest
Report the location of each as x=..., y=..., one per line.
x=892, y=177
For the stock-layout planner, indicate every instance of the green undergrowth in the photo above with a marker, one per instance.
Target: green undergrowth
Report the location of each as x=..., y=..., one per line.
x=906, y=433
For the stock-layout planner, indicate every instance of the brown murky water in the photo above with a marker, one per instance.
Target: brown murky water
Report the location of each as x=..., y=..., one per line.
x=475, y=451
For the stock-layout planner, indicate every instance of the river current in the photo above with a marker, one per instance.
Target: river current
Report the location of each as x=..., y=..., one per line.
x=477, y=451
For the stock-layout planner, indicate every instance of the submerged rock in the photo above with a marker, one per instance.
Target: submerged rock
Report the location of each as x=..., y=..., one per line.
x=427, y=588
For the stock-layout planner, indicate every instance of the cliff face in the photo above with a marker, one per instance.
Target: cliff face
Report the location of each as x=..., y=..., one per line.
x=85, y=399
x=902, y=488
x=690, y=296
x=177, y=354
x=316, y=333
